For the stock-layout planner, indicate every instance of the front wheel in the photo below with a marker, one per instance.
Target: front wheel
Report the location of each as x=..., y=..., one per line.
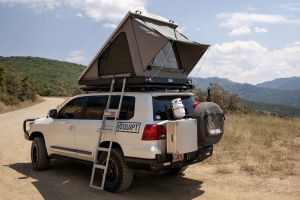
x=39, y=156
x=118, y=177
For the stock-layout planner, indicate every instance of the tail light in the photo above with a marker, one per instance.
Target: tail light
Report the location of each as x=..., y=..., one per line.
x=154, y=132
x=195, y=104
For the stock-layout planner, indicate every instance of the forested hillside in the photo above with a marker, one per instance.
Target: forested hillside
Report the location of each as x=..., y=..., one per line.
x=277, y=109
x=51, y=77
x=292, y=83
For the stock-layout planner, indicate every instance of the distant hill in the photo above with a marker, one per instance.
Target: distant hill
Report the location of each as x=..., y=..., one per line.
x=252, y=92
x=52, y=77
x=281, y=110
x=292, y=83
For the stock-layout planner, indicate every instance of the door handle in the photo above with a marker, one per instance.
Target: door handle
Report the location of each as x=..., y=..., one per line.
x=71, y=127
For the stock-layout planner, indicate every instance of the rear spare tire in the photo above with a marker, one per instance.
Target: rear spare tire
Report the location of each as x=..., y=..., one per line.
x=210, y=123
x=39, y=156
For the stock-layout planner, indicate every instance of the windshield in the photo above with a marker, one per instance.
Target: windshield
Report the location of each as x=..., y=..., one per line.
x=162, y=102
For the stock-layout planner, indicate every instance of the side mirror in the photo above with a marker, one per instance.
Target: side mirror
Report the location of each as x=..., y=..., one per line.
x=53, y=113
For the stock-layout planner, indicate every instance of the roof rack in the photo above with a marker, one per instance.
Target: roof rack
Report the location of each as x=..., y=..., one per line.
x=140, y=87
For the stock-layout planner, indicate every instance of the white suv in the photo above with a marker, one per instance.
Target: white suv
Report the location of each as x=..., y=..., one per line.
x=72, y=133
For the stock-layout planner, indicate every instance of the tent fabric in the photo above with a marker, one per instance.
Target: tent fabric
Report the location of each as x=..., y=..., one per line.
x=190, y=54
x=141, y=41
x=149, y=42
x=168, y=30
x=117, y=57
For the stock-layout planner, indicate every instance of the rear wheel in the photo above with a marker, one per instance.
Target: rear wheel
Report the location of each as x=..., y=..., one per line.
x=177, y=170
x=39, y=156
x=118, y=177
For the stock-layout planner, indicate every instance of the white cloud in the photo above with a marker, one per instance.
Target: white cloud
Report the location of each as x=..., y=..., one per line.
x=291, y=6
x=77, y=56
x=113, y=10
x=241, y=22
x=180, y=30
x=79, y=15
x=250, y=62
x=240, y=31
x=57, y=16
x=296, y=43
x=260, y=30
x=238, y=19
x=197, y=29
x=108, y=25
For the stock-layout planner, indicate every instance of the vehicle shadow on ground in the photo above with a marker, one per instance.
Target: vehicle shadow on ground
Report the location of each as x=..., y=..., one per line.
x=67, y=180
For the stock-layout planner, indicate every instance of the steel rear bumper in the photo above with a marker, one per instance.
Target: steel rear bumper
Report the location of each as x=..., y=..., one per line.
x=164, y=163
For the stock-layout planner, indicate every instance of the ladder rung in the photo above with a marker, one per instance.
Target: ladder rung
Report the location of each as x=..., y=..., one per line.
x=107, y=128
x=103, y=149
x=101, y=188
x=107, y=131
x=99, y=166
x=110, y=113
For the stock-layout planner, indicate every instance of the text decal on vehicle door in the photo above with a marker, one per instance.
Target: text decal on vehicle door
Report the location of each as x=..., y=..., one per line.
x=129, y=127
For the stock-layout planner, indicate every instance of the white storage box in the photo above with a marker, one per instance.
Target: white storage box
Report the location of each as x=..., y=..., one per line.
x=182, y=136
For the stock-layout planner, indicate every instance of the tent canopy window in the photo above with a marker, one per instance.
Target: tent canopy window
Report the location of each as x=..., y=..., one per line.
x=116, y=58
x=167, y=58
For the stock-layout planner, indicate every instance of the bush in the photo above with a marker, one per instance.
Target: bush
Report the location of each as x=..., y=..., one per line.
x=15, y=86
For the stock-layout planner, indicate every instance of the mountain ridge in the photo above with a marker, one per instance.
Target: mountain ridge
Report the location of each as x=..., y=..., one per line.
x=252, y=92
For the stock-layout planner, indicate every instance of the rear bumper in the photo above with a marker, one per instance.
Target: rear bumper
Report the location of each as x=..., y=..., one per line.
x=164, y=163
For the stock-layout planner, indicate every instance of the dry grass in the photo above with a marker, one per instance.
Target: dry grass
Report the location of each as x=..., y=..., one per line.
x=25, y=104
x=260, y=145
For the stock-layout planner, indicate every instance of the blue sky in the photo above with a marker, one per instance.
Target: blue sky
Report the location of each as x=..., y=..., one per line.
x=250, y=42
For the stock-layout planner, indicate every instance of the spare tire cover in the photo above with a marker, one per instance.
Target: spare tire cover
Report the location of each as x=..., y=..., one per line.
x=210, y=123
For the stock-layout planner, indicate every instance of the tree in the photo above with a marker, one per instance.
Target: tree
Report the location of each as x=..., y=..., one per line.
x=222, y=97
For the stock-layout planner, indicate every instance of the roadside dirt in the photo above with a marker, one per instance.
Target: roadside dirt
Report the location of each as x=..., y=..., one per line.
x=65, y=180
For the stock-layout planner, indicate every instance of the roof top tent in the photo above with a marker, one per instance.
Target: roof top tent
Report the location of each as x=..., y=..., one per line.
x=148, y=50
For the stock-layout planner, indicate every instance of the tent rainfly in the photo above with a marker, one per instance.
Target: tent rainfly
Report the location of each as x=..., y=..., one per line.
x=148, y=50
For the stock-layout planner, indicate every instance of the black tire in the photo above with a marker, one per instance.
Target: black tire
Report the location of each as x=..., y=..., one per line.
x=39, y=156
x=177, y=171
x=118, y=177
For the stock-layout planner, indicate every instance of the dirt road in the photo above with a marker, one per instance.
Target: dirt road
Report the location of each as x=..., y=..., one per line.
x=65, y=180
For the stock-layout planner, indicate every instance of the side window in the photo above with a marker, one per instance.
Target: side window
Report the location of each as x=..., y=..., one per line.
x=127, y=107
x=73, y=109
x=95, y=107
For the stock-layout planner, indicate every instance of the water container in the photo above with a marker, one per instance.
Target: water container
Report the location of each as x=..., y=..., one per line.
x=178, y=108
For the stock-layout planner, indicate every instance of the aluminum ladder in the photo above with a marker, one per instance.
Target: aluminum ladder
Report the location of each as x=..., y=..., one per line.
x=107, y=129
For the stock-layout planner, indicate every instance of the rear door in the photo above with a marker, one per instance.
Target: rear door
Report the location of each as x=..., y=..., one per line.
x=88, y=129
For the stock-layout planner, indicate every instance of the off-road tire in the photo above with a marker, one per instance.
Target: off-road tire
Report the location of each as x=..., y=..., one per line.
x=177, y=171
x=39, y=156
x=119, y=177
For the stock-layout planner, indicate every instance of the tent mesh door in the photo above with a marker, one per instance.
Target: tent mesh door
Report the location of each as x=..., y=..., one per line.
x=167, y=58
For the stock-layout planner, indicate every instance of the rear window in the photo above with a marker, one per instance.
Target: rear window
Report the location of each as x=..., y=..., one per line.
x=159, y=108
